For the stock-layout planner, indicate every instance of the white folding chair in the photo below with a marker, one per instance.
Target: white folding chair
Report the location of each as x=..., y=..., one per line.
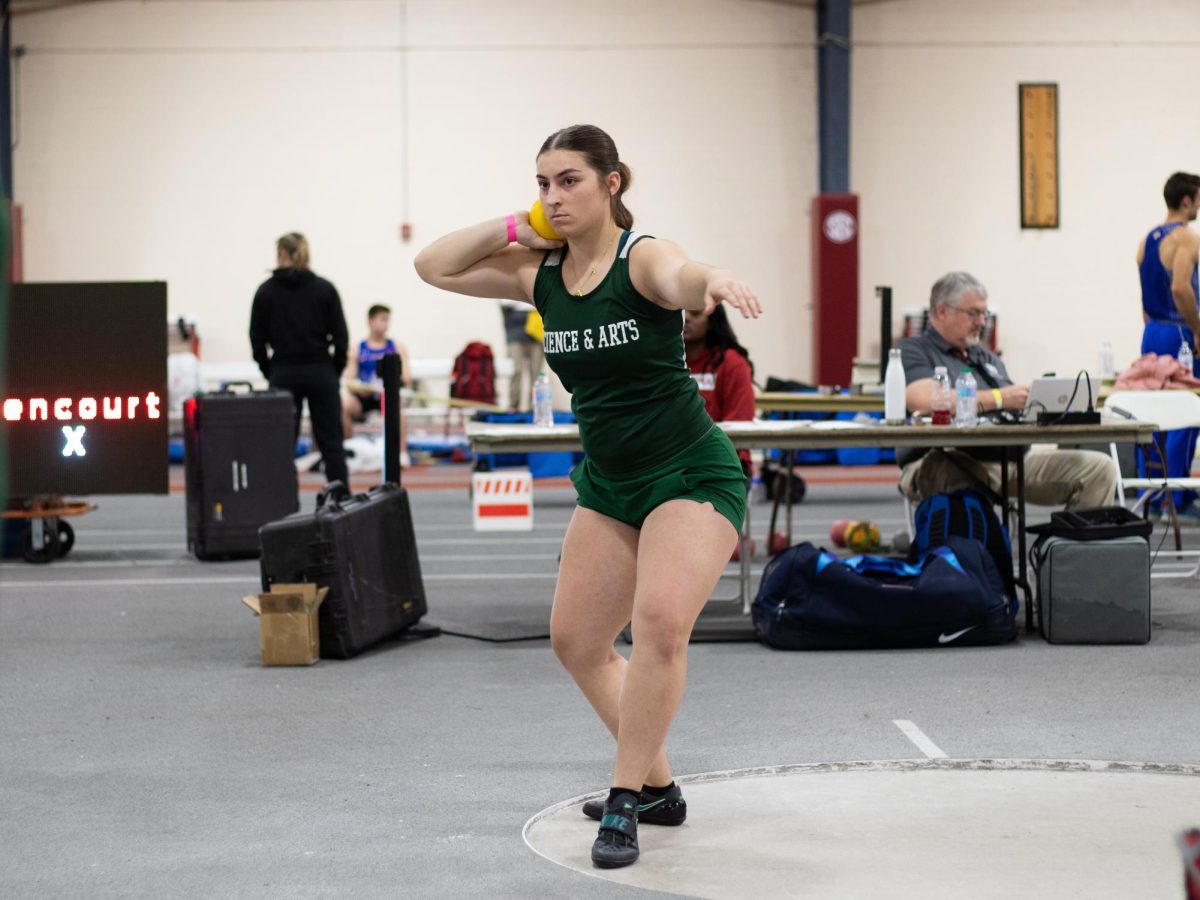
x=1170, y=410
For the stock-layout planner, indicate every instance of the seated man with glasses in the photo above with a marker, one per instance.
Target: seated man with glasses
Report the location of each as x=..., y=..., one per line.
x=957, y=315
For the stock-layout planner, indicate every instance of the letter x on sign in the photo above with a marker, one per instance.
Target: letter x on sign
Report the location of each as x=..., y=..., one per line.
x=74, y=438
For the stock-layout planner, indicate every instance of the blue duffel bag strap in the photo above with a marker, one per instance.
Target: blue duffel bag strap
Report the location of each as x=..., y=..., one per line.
x=886, y=565
x=882, y=565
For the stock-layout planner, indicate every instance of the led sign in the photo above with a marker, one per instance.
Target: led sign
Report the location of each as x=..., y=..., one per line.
x=82, y=403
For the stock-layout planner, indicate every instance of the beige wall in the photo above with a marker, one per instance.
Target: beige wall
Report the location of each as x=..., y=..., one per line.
x=935, y=159
x=176, y=140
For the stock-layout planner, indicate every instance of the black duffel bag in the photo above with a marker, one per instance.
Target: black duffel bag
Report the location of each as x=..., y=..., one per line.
x=811, y=600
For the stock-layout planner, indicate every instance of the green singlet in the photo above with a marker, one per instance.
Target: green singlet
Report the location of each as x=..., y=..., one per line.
x=642, y=421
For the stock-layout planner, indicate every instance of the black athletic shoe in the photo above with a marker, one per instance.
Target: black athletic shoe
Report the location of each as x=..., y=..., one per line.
x=616, y=845
x=670, y=809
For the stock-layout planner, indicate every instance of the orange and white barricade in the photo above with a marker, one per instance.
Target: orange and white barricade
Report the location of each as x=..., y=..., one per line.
x=502, y=501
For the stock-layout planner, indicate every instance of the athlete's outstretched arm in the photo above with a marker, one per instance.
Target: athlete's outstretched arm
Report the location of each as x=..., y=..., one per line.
x=1183, y=265
x=479, y=261
x=663, y=273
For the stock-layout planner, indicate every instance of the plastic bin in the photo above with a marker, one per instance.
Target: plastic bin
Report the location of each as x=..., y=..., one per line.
x=541, y=465
x=803, y=457
x=863, y=456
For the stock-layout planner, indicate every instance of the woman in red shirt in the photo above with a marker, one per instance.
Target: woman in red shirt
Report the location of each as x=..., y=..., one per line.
x=721, y=368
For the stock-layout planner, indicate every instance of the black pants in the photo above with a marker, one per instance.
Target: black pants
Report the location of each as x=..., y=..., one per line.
x=317, y=383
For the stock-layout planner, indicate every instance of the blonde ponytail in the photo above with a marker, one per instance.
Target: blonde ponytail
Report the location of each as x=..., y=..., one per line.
x=295, y=245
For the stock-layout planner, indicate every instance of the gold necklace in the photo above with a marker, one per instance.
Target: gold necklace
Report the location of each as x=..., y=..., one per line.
x=588, y=276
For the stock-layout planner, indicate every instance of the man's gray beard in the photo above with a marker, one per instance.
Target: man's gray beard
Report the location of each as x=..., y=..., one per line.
x=974, y=339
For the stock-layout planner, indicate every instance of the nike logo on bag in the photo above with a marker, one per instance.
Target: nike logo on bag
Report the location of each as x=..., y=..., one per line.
x=947, y=638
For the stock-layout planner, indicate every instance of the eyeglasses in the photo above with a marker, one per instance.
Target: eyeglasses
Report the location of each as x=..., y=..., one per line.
x=975, y=315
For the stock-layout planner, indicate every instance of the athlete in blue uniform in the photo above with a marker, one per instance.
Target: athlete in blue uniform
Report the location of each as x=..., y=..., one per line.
x=363, y=390
x=368, y=360
x=1171, y=307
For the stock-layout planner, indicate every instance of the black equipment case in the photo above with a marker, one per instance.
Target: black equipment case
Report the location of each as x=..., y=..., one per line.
x=239, y=469
x=363, y=549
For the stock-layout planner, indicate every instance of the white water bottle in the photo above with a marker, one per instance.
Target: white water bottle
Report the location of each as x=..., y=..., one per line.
x=941, y=406
x=894, y=410
x=1185, y=356
x=968, y=407
x=543, y=401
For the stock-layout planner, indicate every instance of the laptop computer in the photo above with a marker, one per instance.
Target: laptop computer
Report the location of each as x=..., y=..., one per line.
x=1052, y=394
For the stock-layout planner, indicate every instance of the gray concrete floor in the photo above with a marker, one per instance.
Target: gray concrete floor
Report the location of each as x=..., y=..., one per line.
x=144, y=752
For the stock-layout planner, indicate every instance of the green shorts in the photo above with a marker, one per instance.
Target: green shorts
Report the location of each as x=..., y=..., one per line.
x=707, y=471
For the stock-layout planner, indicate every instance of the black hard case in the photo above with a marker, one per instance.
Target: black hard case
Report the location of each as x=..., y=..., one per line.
x=239, y=469
x=364, y=550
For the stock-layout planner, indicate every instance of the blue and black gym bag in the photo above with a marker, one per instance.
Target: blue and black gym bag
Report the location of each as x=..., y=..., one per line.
x=953, y=596
x=966, y=513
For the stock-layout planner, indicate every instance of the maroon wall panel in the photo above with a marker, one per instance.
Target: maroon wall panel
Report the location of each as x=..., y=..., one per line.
x=834, y=286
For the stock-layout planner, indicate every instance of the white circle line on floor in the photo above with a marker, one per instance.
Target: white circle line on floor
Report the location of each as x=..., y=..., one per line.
x=1083, y=766
x=982, y=764
x=550, y=811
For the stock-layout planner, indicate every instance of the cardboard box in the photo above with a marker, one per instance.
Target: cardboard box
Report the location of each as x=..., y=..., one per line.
x=287, y=618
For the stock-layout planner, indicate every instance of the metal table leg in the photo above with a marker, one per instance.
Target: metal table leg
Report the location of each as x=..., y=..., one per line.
x=782, y=495
x=791, y=465
x=1022, y=572
x=744, y=556
x=1022, y=565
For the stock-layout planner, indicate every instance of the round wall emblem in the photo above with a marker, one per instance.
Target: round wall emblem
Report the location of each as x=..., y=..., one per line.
x=840, y=227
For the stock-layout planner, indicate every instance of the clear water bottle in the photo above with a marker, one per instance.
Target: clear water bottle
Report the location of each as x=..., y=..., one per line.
x=968, y=407
x=1185, y=355
x=894, y=410
x=942, y=402
x=1107, y=369
x=543, y=401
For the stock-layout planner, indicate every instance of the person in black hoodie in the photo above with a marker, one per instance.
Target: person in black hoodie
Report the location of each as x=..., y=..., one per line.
x=298, y=315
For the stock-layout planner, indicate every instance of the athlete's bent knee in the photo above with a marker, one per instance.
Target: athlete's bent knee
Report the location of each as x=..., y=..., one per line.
x=663, y=636
x=579, y=652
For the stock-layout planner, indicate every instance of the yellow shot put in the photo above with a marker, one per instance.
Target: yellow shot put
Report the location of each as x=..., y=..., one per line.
x=540, y=224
